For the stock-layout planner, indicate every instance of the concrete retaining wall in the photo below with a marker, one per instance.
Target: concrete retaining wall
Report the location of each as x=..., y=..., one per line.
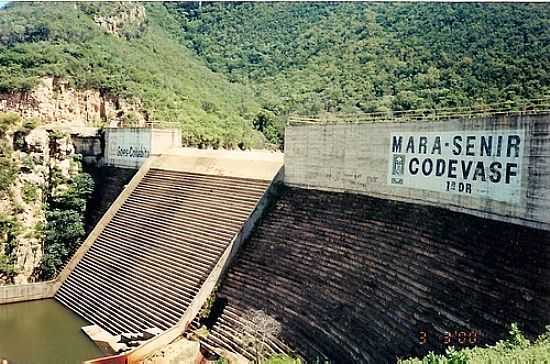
x=26, y=292
x=511, y=184
x=88, y=146
x=257, y=164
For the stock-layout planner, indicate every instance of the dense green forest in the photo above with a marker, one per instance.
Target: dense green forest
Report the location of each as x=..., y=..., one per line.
x=146, y=61
x=362, y=57
x=222, y=69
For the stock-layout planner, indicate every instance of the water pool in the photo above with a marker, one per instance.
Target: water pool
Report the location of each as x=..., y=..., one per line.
x=43, y=332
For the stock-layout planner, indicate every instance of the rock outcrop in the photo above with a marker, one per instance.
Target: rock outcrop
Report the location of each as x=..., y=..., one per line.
x=181, y=351
x=39, y=154
x=129, y=15
x=54, y=101
x=27, y=196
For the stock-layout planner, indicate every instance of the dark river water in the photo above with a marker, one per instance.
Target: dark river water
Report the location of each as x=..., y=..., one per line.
x=43, y=332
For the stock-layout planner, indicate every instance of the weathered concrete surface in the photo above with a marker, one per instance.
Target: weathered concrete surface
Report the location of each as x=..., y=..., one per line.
x=106, y=342
x=88, y=146
x=357, y=279
x=355, y=157
x=86, y=245
x=130, y=147
x=26, y=292
x=214, y=278
x=109, y=184
x=229, y=163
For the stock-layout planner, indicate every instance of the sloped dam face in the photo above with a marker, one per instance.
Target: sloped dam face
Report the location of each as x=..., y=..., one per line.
x=43, y=332
x=356, y=279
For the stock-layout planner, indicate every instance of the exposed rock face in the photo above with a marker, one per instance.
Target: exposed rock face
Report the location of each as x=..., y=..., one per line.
x=53, y=101
x=27, y=195
x=129, y=15
x=23, y=201
x=28, y=251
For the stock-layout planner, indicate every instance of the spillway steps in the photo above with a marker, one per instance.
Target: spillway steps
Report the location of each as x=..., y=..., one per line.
x=149, y=262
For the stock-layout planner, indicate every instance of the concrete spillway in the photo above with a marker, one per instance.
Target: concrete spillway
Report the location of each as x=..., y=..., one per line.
x=149, y=262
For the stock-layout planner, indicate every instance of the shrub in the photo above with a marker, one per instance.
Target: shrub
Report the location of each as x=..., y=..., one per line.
x=10, y=228
x=29, y=125
x=64, y=228
x=207, y=307
x=8, y=121
x=29, y=192
x=6, y=266
x=282, y=359
x=8, y=168
x=131, y=119
x=271, y=126
x=27, y=162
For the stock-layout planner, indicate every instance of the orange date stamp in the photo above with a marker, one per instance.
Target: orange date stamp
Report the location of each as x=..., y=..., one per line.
x=456, y=337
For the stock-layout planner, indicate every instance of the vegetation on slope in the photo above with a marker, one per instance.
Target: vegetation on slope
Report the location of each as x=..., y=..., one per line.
x=9, y=226
x=516, y=349
x=145, y=61
x=43, y=198
x=325, y=57
x=64, y=231
x=223, y=70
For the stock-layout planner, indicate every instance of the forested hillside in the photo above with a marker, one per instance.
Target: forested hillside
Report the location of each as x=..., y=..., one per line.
x=144, y=59
x=220, y=70
x=313, y=57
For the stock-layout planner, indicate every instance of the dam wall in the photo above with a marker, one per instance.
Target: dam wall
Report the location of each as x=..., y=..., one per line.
x=149, y=258
x=109, y=183
x=496, y=167
x=357, y=279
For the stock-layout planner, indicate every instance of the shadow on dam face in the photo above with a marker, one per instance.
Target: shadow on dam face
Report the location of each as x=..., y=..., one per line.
x=356, y=279
x=43, y=332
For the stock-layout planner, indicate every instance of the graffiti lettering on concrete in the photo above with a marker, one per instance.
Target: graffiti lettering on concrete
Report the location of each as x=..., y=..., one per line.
x=133, y=151
x=128, y=146
x=483, y=164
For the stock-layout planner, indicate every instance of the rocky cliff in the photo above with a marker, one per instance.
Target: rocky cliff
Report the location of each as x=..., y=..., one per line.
x=25, y=200
x=54, y=101
x=123, y=16
x=37, y=163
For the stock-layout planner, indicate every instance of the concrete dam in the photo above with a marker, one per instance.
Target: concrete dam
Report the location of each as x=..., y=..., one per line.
x=150, y=261
x=356, y=279
x=358, y=247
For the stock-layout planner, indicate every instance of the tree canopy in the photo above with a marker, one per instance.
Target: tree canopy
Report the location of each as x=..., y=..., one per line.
x=224, y=72
x=145, y=60
x=315, y=57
